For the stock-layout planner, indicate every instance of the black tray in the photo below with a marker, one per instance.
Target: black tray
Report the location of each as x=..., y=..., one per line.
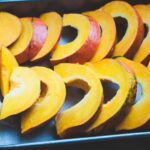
x=10, y=136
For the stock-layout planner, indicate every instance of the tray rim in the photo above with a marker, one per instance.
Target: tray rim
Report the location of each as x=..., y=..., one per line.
x=79, y=140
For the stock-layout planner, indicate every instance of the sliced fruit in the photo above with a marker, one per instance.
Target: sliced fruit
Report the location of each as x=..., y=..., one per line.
x=8, y=63
x=20, y=49
x=108, y=37
x=10, y=28
x=85, y=44
x=117, y=108
x=140, y=112
x=38, y=38
x=24, y=91
x=52, y=97
x=143, y=53
x=33, y=36
x=54, y=24
x=73, y=120
x=133, y=37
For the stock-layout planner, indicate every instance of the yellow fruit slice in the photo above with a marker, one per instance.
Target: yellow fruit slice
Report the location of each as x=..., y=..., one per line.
x=20, y=49
x=133, y=37
x=139, y=114
x=70, y=121
x=108, y=39
x=52, y=97
x=117, y=108
x=84, y=46
x=24, y=91
x=10, y=28
x=7, y=64
x=54, y=23
x=143, y=53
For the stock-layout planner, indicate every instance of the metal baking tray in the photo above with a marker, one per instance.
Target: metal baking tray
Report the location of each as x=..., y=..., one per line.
x=10, y=136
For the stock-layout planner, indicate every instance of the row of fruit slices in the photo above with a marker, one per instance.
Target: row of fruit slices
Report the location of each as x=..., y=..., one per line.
x=32, y=39
x=39, y=93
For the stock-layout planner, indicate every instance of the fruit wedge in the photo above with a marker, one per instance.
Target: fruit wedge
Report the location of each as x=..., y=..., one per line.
x=73, y=120
x=133, y=37
x=54, y=23
x=20, y=49
x=10, y=28
x=33, y=36
x=7, y=64
x=139, y=114
x=24, y=91
x=108, y=38
x=117, y=108
x=84, y=46
x=38, y=38
x=52, y=97
x=143, y=53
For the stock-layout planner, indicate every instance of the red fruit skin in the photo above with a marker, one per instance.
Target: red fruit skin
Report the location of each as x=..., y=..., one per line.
x=23, y=57
x=39, y=37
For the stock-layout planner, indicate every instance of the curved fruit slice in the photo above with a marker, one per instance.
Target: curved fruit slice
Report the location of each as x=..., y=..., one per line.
x=33, y=36
x=48, y=104
x=24, y=91
x=84, y=46
x=10, y=28
x=133, y=37
x=20, y=49
x=108, y=38
x=8, y=63
x=38, y=38
x=72, y=120
x=54, y=24
x=143, y=53
x=115, y=110
x=140, y=112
